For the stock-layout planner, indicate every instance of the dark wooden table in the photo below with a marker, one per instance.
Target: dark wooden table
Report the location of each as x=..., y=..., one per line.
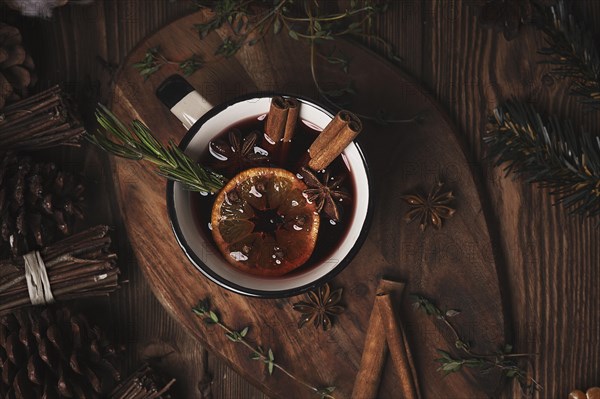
x=550, y=261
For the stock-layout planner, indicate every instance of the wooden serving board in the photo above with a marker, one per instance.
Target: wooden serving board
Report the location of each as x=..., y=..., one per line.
x=455, y=266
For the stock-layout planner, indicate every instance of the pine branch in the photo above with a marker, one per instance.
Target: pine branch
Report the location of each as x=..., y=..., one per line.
x=550, y=152
x=137, y=142
x=573, y=52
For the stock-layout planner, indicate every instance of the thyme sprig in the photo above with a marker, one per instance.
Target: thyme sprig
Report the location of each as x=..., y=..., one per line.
x=504, y=360
x=211, y=317
x=249, y=21
x=137, y=142
x=154, y=60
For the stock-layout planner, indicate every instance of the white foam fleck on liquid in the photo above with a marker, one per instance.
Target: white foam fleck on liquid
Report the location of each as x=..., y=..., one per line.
x=255, y=192
x=238, y=256
x=269, y=140
x=278, y=262
x=261, y=151
x=294, y=203
x=215, y=154
x=333, y=223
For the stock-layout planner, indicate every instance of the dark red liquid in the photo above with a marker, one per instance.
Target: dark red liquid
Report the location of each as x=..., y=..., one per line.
x=330, y=234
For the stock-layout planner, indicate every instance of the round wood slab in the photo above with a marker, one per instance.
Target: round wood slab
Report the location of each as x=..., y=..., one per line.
x=454, y=266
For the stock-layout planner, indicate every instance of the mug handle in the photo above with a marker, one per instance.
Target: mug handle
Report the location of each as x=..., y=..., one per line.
x=184, y=102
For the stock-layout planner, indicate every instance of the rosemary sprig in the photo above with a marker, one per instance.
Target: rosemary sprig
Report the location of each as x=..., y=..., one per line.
x=203, y=309
x=154, y=60
x=547, y=151
x=137, y=142
x=573, y=52
x=503, y=360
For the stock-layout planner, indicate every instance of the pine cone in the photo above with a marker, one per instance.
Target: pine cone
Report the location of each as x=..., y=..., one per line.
x=53, y=354
x=38, y=204
x=16, y=66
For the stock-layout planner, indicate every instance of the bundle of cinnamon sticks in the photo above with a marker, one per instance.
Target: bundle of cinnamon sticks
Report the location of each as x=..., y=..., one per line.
x=329, y=144
x=78, y=266
x=145, y=383
x=40, y=121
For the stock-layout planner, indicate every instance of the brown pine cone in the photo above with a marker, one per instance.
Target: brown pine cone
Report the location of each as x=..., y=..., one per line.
x=16, y=66
x=38, y=204
x=54, y=354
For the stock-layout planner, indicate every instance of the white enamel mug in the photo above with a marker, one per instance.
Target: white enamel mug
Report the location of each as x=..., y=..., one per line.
x=205, y=122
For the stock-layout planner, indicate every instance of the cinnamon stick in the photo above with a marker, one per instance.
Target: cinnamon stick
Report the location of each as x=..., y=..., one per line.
x=332, y=141
x=293, y=106
x=398, y=347
x=375, y=349
x=290, y=128
x=277, y=119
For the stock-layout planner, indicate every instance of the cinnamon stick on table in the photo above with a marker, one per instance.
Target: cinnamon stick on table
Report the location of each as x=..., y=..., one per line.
x=375, y=349
x=332, y=141
x=398, y=347
x=384, y=332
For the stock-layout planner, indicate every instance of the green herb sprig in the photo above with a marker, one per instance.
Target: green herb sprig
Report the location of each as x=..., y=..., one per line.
x=137, y=142
x=154, y=60
x=572, y=52
x=503, y=360
x=547, y=151
x=211, y=317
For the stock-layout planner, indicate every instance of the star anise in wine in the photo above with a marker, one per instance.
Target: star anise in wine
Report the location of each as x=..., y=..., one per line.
x=237, y=153
x=320, y=306
x=430, y=209
x=326, y=192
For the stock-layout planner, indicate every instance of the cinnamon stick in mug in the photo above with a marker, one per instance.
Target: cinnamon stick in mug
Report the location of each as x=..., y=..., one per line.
x=277, y=119
x=293, y=106
x=332, y=141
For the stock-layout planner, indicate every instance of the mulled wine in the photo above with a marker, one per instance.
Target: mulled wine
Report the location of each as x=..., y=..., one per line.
x=244, y=150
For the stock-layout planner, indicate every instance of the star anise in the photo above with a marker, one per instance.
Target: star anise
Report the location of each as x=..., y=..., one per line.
x=430, y=209
x=237, y=153
x=325, y=193
x=321, y=305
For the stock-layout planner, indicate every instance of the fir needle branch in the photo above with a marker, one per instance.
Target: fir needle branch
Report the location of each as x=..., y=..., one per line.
x=549, y=152
x=203, y=310
x=503, y=360
x=137, y=142
x=573, y=52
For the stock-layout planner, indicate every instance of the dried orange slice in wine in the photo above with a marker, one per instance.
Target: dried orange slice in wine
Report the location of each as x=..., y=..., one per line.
x=263, y=224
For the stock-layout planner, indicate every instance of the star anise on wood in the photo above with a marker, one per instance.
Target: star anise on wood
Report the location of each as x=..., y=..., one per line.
x=320, y=306
x=237, y=153
x=430, y=209
x=326, y=193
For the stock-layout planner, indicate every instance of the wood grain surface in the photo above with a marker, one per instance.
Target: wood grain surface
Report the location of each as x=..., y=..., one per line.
x=455, y=265
x=549, y=261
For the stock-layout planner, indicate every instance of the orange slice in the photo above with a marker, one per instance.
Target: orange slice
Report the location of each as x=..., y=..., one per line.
x=263, y=224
